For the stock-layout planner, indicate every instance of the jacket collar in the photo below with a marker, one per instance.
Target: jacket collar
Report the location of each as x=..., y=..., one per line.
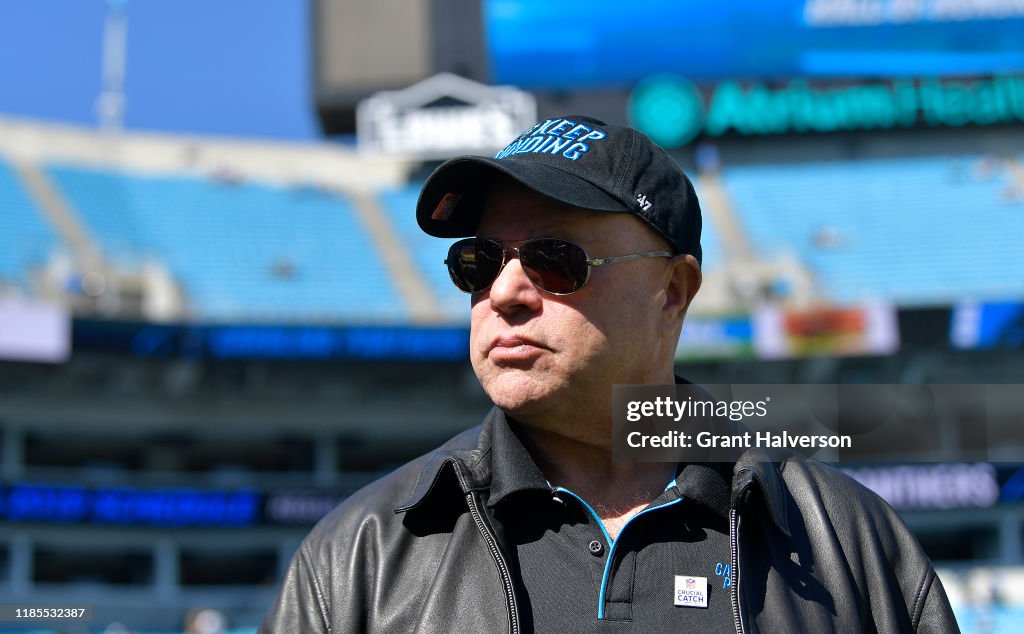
x=466, y=455
x=761, y=470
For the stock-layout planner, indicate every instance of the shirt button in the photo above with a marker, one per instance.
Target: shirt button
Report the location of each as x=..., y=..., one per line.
x=596, y=547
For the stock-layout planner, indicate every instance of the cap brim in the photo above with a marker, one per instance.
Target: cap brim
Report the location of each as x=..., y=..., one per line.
x=470, y=177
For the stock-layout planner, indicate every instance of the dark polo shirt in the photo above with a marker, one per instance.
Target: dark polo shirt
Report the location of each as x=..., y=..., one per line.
x=574, y=577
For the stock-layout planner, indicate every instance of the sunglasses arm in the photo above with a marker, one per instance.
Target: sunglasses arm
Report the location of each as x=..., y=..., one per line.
x=631, y=256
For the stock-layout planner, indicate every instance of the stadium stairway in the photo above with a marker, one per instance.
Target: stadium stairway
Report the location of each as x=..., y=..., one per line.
x=89, y=282
x=408, y=278
x=1015, y=189
x=61, y=216
x=719, y=211
x=26, y=240
x=428, y=252
x=742, y=278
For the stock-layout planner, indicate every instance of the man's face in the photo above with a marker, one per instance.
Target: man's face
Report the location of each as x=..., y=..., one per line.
x=536, y=353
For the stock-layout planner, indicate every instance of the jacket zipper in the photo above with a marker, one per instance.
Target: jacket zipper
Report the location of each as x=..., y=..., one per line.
x=735, y=572
x=492, y=544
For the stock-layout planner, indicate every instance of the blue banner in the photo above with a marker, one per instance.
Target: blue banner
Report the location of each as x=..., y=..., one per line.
x=607, y=43
x=127, y=506
x=377, y=343
x=987, y=325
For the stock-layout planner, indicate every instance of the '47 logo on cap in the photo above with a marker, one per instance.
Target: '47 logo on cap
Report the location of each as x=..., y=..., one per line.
x=645, y=204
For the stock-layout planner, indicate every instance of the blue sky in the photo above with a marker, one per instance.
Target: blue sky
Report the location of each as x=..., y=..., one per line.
x=227, y=67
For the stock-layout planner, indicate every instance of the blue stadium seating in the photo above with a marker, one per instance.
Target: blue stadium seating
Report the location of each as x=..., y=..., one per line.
x=913, y=231
x=25, y=237
x=990, y=617
x=241, y=251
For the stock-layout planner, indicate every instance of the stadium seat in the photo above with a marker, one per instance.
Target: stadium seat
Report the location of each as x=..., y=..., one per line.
x=911, y=231
x=241, y=251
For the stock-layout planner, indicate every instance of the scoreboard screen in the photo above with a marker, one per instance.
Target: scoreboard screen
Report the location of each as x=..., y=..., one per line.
x=608, y=43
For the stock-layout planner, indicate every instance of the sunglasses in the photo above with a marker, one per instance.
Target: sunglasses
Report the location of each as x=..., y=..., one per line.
x=554, y=265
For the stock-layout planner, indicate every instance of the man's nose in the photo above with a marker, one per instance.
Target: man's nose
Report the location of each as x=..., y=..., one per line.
x=513, y=291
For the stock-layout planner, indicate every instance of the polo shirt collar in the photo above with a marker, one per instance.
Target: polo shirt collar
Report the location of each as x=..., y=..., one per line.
x=513, y=470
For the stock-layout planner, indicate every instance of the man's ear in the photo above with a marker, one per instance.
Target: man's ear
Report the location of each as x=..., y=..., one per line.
x=682, y=282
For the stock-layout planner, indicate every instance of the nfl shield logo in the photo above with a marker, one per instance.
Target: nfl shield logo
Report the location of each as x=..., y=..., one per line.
x=690, y=592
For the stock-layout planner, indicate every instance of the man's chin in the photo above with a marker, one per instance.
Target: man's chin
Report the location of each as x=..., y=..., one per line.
x=518, y=406
x=519, y=394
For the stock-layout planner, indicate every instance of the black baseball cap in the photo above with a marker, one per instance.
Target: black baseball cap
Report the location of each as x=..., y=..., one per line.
x=576, y=160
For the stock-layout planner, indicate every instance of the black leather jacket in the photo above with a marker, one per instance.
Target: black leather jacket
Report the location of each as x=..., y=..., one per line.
x=419, y=551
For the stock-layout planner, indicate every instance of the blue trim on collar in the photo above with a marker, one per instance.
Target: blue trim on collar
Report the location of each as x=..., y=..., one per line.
x=612, y=542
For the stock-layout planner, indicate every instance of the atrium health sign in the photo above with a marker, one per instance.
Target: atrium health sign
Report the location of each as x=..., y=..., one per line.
x=673, y=112
x=443, y=116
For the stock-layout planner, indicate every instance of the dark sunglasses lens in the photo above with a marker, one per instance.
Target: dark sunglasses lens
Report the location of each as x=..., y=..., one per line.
x=474, y=264
x=556, y=266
